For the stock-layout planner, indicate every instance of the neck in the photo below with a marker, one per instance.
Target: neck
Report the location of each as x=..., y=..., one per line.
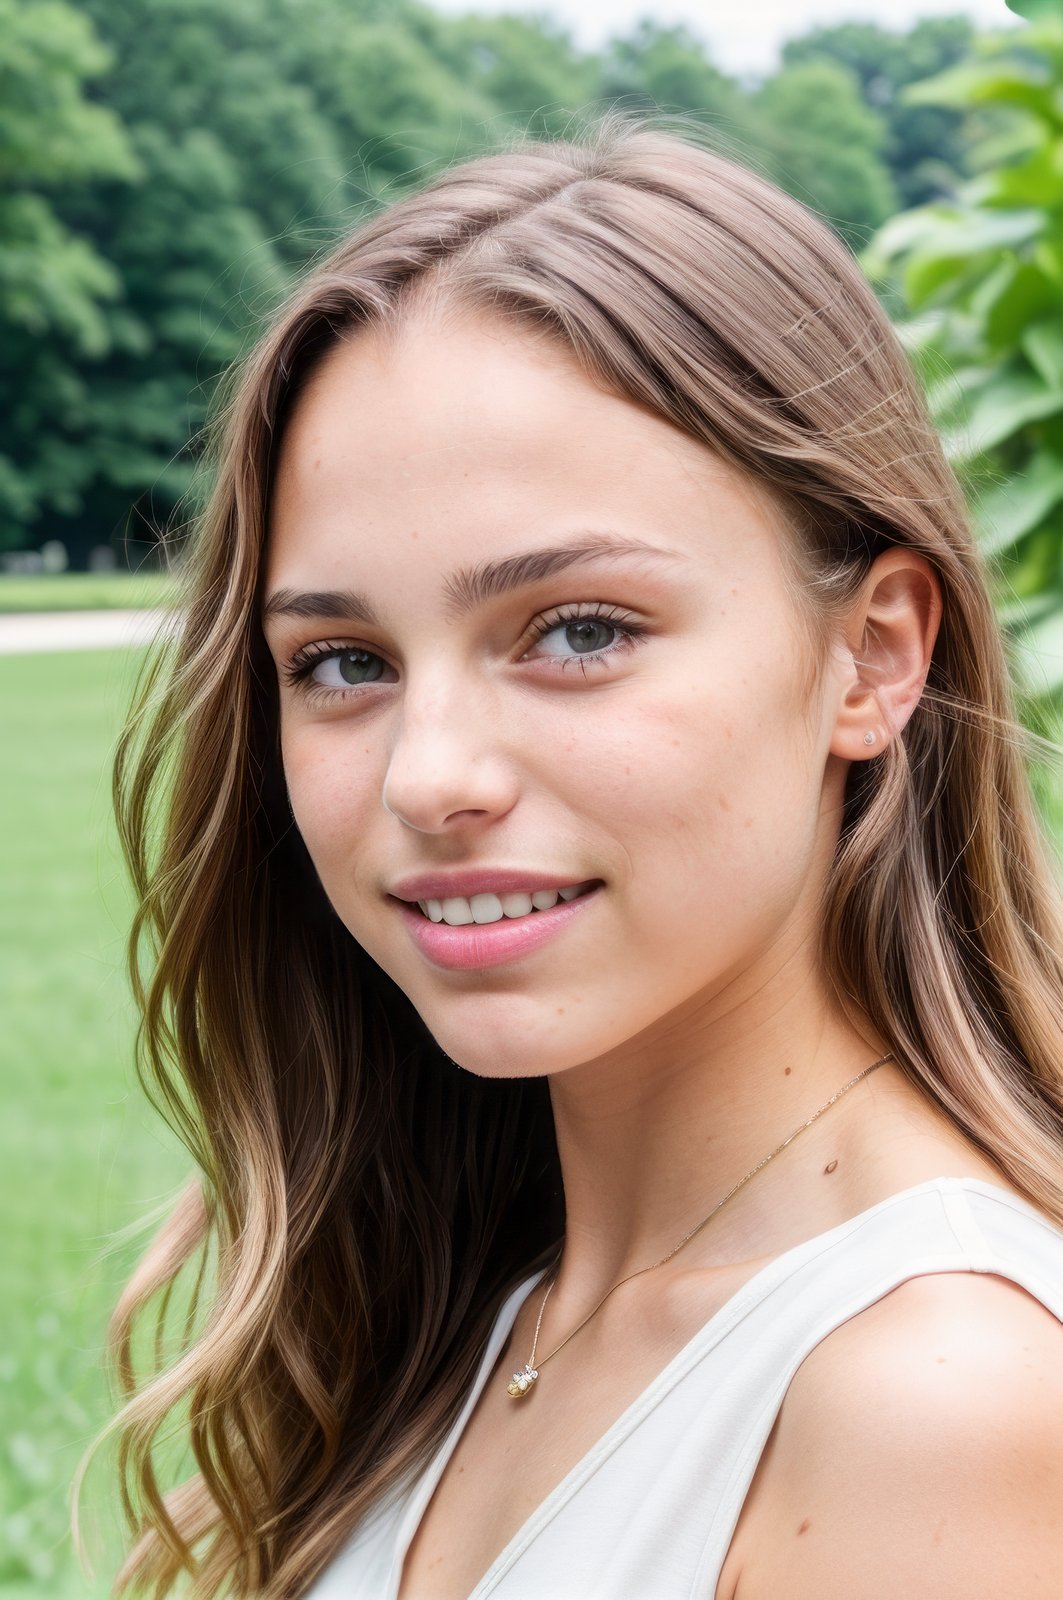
x=652, y=1138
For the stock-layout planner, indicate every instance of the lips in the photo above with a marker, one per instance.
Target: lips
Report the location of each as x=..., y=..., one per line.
x=489, y=944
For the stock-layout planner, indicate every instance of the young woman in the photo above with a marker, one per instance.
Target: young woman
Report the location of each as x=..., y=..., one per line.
x=604, y=958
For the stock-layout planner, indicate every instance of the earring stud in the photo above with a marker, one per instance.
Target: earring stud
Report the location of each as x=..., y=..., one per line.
x=869, y=737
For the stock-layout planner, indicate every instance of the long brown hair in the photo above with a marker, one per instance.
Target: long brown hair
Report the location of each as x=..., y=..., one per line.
x=364, y=1205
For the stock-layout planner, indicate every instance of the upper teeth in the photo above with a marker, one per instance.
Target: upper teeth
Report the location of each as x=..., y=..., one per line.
x=458, y=911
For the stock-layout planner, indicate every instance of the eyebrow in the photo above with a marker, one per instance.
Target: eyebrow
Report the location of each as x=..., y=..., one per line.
x=470, y=586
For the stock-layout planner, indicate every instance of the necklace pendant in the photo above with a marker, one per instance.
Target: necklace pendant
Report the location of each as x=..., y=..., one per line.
x=521, y=1382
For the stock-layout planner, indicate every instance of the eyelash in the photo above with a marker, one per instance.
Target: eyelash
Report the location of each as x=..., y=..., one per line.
x=297, y=671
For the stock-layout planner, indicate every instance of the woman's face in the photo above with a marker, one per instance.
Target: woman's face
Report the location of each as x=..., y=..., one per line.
x=528, y=632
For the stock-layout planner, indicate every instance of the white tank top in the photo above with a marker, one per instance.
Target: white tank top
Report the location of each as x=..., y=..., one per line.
x=651, y=1508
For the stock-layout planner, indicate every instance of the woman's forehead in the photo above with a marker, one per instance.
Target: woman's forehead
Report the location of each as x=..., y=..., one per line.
x=455, y=384
x=490, y=439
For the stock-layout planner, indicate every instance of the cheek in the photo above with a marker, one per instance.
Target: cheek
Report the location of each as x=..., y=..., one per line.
x=724, y=763
x=328, y=778
x=716, y=803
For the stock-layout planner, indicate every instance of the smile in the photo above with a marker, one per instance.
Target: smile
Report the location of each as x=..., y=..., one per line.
x=487, y=934
x=458, y=912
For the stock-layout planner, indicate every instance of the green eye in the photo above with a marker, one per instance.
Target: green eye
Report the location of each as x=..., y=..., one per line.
x=321, y=668
x=585, y=633
x=582, y=635
x=358, y=666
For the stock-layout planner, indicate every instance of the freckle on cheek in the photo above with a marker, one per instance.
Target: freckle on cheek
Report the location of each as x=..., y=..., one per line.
x=805, y=1525
x=725, y=804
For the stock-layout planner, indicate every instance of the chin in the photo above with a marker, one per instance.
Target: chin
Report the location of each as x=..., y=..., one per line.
x=500, y=1059
x=515, y=1051
x=533, y=1042
x=491, y=1027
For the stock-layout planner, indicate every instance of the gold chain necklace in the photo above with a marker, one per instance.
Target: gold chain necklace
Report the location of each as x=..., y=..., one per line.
x=522, y=1381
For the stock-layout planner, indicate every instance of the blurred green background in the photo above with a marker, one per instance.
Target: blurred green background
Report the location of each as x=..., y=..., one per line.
x=166, y=168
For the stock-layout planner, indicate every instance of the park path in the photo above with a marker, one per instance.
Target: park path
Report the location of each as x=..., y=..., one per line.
x=26, y=632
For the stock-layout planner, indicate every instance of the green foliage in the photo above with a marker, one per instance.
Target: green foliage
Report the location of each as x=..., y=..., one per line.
x=55, y=284
x=50, y=133
x=237, y=170
x=926, y=146
x=526, y=71
x=1035, y=10
x=826, y=145
x=982, y=276
x=666, y=68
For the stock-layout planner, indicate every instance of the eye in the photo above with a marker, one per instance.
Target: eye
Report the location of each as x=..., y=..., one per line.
x=586, y=635
x=590, y=632
x=350, y=667
x=332, y=667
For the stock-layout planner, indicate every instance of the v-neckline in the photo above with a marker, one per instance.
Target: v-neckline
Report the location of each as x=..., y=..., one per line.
x=734, y=1309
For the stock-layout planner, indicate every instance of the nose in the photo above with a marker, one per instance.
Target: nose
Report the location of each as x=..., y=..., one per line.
x=447, y=768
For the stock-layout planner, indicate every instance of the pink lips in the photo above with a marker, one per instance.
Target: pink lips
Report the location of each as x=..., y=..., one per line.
x=489, y=944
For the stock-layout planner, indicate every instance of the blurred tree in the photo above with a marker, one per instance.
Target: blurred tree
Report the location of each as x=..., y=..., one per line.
x=982, y=277
x=668, y=68
x=926, y=145
x=236, y=161
x=54, y=285
x=826, y=145
x=527, y=72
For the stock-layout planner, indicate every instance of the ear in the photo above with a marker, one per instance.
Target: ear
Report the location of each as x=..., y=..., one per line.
x=889, y=638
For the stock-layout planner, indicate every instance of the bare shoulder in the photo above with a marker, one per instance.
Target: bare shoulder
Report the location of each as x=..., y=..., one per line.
x=919, y=1452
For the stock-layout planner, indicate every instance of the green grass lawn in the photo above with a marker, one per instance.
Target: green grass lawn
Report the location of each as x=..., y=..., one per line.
x=81, y=1154
x=86, y=591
